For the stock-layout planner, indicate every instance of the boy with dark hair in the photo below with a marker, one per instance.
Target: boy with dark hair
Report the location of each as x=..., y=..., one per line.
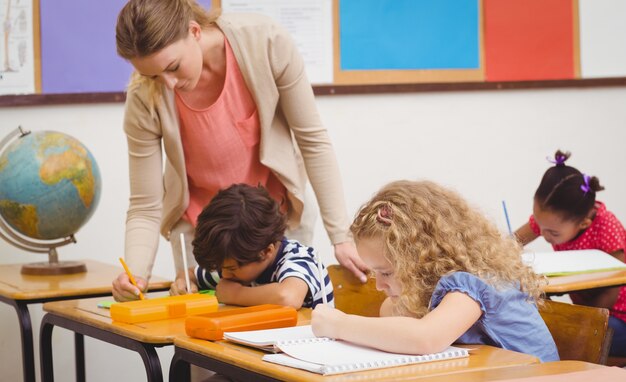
x=243, y=255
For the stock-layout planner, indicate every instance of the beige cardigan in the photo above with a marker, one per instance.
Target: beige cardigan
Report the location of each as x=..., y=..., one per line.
x=294, y=142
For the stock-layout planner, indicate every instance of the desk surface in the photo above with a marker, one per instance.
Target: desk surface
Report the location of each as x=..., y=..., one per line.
x=483, y=357
x=160, y=332
x=96, y=281
x=565, y=284
x=525, y=371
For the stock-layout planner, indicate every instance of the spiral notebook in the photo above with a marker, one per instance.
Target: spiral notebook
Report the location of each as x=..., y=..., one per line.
x=302, y=350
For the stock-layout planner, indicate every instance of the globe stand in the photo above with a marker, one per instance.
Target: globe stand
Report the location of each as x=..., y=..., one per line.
x=14, y=237
x=44, y=268
x=53, y=266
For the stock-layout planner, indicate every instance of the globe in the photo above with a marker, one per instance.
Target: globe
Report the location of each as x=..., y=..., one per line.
x=50, y=186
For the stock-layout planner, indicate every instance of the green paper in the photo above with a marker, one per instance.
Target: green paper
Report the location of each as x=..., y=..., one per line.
x=105, y=304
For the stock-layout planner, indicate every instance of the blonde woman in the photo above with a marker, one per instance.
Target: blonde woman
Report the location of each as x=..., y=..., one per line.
x=449, y=274
x=227, y=99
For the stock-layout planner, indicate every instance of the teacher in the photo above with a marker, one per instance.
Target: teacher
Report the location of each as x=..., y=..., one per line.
x=227, y=100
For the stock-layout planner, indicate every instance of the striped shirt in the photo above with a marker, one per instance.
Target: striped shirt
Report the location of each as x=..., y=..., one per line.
x=292, y=260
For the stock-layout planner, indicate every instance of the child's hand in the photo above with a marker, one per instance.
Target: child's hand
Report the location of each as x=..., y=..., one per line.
x=325, y=321
x=386, y=309
x=227, y=291
x=179, y=286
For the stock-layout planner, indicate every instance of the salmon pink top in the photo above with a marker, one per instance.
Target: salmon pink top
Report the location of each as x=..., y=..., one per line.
x=221, y=144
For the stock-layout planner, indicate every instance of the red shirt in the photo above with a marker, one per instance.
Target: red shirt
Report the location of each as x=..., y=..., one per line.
x=605, y=233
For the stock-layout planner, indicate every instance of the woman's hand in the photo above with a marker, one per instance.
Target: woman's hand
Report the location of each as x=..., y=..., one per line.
x=326, y=321
x=348, y=257
x=123, y=290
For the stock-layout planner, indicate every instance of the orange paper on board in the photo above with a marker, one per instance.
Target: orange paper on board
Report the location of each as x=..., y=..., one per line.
x=529, y=40
x=163, y=308
x=213, y=325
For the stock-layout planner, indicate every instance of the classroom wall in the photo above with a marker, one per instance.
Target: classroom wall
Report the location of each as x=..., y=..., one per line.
x=489, y=145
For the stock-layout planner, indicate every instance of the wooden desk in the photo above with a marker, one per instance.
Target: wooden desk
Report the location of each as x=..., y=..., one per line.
x=245, y=364
x=85, y=318
x=566, y=284
x=20, y=290
x=535, y=370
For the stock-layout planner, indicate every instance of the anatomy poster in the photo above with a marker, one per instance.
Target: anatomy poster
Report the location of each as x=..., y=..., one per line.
x=17, y=68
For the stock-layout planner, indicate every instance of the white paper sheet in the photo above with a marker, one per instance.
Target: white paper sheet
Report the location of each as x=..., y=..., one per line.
x=310, y=24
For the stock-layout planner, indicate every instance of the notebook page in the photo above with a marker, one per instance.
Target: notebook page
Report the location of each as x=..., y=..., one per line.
x=268, y=337
x=571, y=262
x=333, y=353
x=286, y=360
x=381, y=360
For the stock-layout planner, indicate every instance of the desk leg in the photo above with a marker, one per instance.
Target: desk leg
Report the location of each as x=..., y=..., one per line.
x=28, y=353
x=179, y=368
x=146, y=351
x=79, y=354
x=26, y=332
x=45, y=351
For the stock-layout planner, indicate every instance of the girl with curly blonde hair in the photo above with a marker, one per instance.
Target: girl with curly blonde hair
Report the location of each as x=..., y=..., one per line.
x=449, y=274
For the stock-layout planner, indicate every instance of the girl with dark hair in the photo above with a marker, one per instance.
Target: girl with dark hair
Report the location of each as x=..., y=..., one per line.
x=567, y=214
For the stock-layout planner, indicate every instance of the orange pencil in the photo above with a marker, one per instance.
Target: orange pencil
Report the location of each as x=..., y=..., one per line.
x=131, y=278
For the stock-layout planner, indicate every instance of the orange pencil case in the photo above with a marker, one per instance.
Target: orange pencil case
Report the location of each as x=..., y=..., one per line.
x=213, y=325
x=163, y=308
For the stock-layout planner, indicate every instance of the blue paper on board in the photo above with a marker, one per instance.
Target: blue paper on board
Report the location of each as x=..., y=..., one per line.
x=409, y=34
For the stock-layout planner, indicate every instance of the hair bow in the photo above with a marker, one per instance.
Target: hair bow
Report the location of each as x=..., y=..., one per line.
x=585, y=186
x=558, y=160
x=384, y=215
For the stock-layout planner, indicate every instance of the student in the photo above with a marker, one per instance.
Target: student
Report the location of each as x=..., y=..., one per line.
x=567, y=214
x=240, y=234
x=449, y=275
x=226, y=98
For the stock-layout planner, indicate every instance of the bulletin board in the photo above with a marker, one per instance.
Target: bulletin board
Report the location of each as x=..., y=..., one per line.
x=377, y=45
x=479, y=44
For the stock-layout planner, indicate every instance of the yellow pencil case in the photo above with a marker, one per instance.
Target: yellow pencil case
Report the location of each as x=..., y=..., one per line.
x=163, y=308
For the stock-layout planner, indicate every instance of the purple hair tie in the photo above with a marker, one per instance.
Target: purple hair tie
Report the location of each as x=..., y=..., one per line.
x=585, y=187
x=558, y=160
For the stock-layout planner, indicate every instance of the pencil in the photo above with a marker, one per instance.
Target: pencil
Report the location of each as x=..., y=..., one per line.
x=506, y=216
x=322, y=281
x=182, y=245
x=131, y=278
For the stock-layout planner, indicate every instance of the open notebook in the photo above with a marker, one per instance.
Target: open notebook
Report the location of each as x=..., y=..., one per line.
x=571, y=262
x=302, y=350
x=268, y=339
